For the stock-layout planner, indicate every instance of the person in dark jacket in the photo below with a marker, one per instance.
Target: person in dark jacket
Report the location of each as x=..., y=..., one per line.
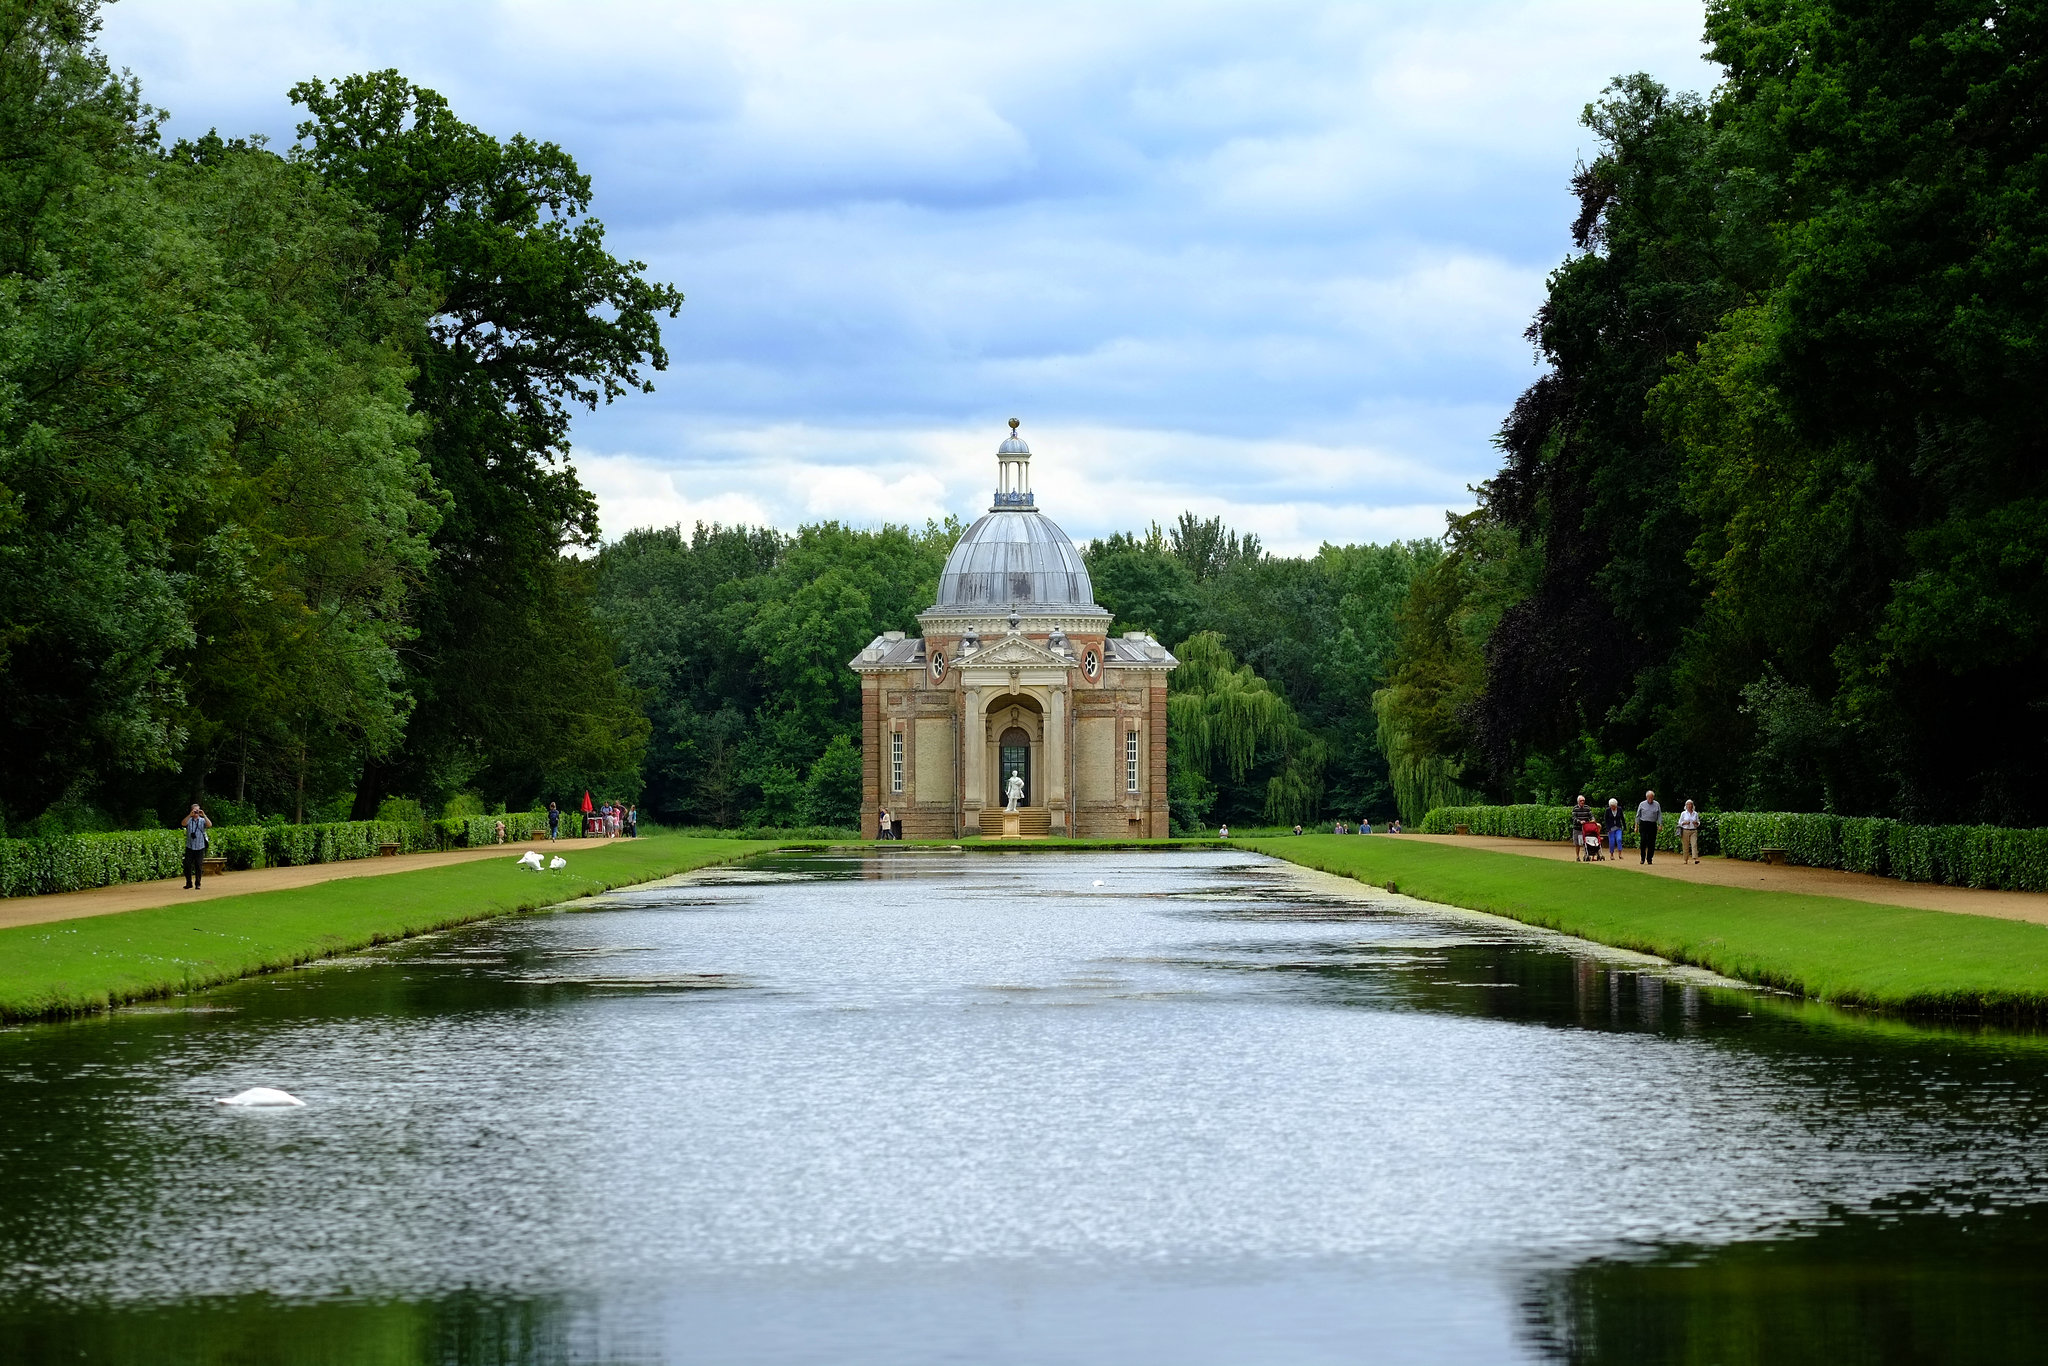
x=1649, y=816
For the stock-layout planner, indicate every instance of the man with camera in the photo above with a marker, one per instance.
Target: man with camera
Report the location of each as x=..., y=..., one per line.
x=196, y=826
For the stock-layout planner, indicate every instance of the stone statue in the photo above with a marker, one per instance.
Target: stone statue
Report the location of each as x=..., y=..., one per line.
x=1015, y=789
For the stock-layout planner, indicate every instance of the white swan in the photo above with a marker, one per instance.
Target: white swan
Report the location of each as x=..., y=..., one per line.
x=530, y=859
x=262, y=1096
x=558, y=862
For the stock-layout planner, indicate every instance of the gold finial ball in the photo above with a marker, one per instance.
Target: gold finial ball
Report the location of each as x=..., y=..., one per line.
x=1013, y=424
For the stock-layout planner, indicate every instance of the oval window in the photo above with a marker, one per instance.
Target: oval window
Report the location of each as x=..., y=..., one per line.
x=1090, y=663
x=938, y=665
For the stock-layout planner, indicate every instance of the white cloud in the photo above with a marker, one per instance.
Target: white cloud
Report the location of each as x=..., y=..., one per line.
x=635, y=492
x=1266, y=259
x=1092, y=480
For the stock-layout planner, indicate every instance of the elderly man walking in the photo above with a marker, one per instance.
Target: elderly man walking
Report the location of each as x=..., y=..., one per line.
x=1649, y=816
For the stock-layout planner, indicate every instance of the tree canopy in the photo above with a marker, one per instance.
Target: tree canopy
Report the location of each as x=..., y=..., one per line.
x=1772, y=524
x=284, y=496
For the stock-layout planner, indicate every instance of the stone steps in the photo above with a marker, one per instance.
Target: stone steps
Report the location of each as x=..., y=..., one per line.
x=1032, y=820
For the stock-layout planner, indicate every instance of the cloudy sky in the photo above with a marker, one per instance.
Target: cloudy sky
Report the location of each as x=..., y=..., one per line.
x=1270, y=260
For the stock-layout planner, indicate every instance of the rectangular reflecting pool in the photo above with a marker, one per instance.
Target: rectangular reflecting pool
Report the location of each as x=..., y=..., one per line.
x=978, y=1107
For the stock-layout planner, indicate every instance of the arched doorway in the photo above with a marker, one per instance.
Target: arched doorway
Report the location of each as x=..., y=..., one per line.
x=1013, y=739
x=1013, y=755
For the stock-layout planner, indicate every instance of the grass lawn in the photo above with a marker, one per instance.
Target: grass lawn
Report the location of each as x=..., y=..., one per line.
x=1828, y=948
x=75, y=966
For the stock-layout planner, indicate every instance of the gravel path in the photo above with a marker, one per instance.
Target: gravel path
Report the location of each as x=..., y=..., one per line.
x=134, y=896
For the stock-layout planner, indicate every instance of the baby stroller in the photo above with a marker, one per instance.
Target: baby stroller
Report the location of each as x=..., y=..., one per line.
x=1589, y=842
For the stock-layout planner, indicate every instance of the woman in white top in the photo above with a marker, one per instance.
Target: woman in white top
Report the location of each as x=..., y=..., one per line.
x=1689, y=835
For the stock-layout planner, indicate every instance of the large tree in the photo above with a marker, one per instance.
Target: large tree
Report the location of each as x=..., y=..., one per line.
x=1785, y=478
x=532, y=317
x=211, y=506
x=1864, y=434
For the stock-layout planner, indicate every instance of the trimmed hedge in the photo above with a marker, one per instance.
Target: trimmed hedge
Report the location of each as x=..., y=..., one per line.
x=1987, y=856
x=1513, y=822
x=73, y=863
x=98, y=860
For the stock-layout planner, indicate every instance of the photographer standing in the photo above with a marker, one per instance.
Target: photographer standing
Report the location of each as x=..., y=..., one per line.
x=196, y=826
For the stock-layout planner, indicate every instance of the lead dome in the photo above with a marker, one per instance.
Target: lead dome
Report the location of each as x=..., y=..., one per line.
x=1015, y=555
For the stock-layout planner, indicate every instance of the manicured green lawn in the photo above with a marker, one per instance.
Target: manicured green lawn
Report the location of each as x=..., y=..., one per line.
x=75, y=966
x=1848, y=952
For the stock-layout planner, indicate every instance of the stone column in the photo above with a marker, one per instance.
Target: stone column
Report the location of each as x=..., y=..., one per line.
x=973, y=734
x=1155, y=778
x=1056, y=758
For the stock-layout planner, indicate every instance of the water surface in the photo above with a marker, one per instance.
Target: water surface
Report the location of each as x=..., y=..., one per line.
x=971, y=1107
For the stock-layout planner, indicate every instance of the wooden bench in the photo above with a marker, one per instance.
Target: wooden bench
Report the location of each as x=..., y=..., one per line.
x=1461, y=830
x=1774, y=855
x=387, y=851
x=213, y=867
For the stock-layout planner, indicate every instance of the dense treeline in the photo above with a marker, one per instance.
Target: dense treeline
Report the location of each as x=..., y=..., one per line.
x=738, y=640
x=1772, y=530
x=284, y=492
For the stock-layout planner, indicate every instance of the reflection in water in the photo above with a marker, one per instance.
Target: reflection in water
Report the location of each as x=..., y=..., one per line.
x=1890, y=1287
x=455, y=1330
x=940, y=1106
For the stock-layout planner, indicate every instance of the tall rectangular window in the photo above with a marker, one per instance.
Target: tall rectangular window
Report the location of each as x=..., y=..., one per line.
x=895, y=761
x=1130, y=761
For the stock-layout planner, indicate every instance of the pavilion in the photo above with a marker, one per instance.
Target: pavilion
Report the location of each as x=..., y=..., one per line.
x=1016, y=673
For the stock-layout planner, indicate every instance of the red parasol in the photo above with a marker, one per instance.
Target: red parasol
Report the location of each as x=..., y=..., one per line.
x=587, y=807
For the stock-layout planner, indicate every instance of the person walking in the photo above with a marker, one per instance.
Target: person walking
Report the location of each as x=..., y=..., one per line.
x=554, y=821
x=196, y=826
x=882, y=824
x=633, y=821
x=1689, y=834
x=1582, y=814
x=1649, y=816
x=1612, y=825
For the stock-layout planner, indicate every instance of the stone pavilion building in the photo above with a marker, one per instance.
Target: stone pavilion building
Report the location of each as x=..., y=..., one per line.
x=1016, y=672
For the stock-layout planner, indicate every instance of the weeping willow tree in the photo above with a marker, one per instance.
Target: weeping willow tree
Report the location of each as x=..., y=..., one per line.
x=1421, y=781
x=1223, y=719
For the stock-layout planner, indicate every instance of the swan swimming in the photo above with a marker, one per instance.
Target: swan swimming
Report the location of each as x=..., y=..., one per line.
x=262, y=1096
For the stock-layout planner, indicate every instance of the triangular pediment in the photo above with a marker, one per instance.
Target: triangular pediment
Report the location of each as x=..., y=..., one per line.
x=1015, y=652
